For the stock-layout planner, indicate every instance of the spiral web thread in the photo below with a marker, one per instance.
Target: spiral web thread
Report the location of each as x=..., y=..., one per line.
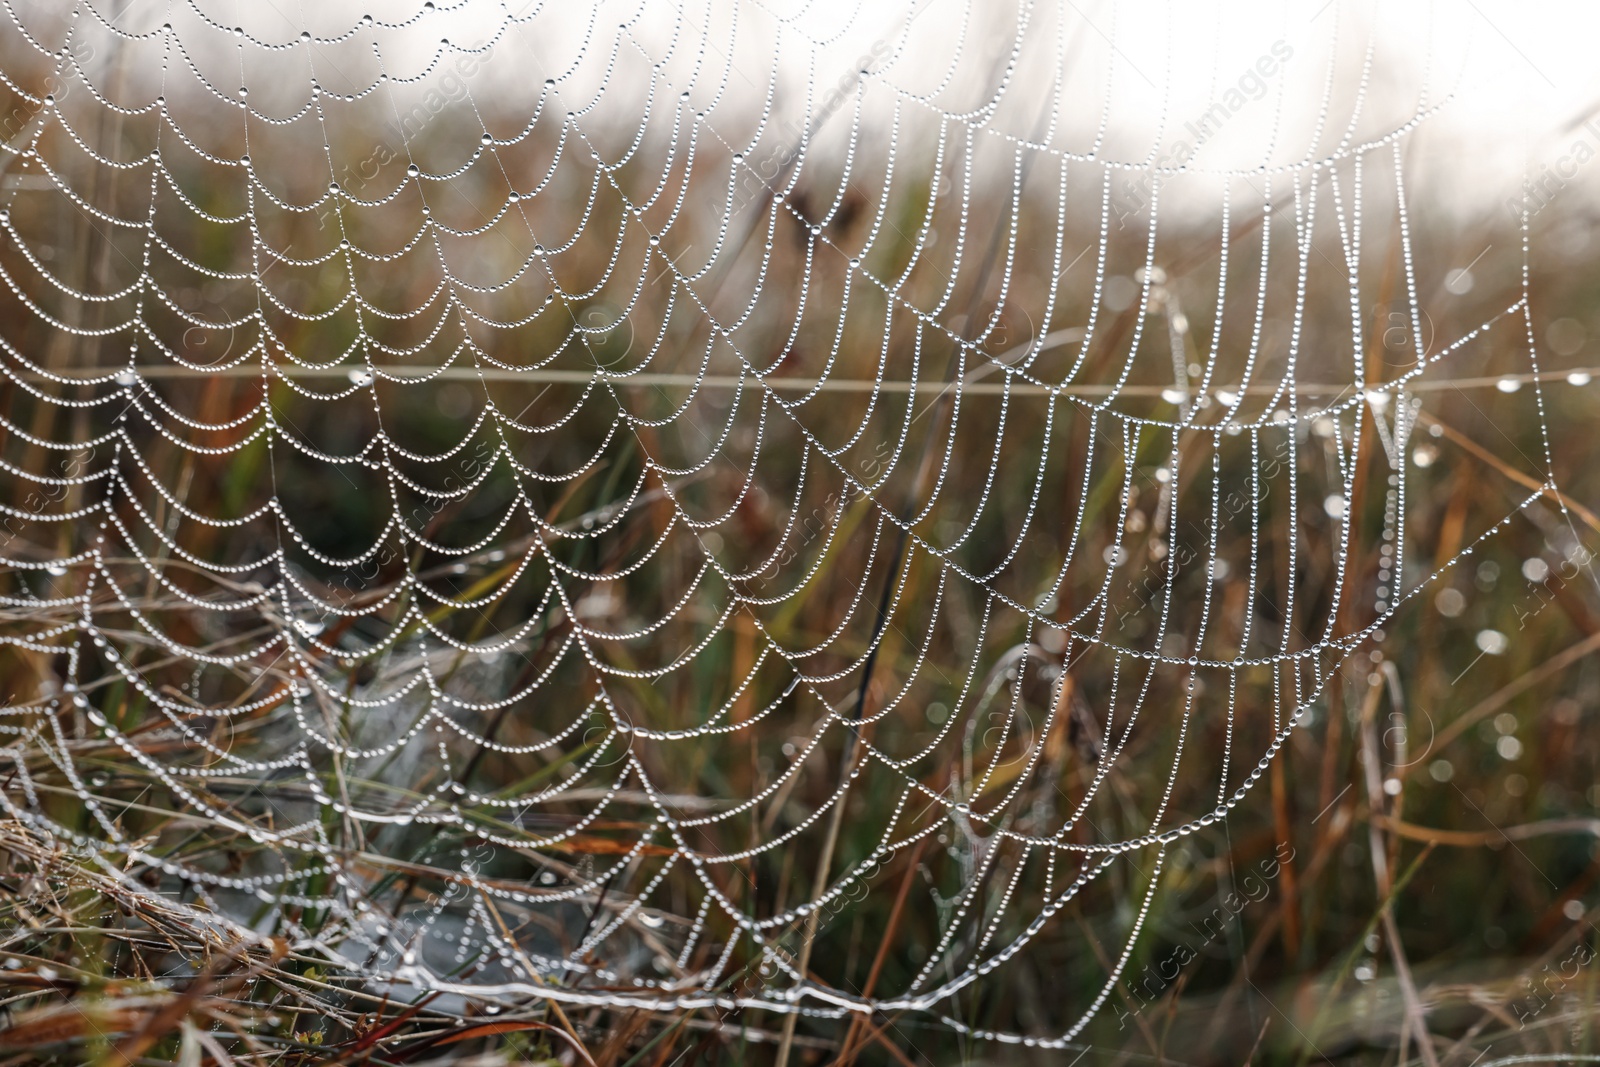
x=779, y=446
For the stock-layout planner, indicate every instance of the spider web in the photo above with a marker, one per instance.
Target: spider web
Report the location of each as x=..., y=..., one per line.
x=590, y=497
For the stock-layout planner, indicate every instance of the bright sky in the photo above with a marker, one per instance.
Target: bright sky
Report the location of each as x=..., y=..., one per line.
x=1520, y=76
